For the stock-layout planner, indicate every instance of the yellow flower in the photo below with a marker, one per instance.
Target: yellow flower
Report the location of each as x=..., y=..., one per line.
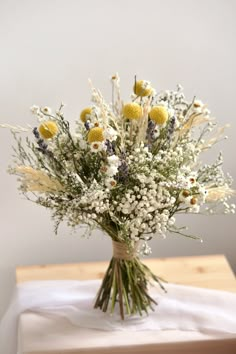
x=48, y=129
x=95, y=134
x=158, y=114
x=142, y=88
x=132, y=111
x=84, y=113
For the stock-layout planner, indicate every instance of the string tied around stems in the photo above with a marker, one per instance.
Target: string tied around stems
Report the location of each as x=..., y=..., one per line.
x=123, y=251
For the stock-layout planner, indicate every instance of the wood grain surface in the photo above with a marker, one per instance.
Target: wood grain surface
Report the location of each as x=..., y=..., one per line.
x=203, y=271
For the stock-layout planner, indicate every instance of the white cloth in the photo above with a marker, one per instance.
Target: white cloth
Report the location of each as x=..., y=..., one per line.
x=182, y=307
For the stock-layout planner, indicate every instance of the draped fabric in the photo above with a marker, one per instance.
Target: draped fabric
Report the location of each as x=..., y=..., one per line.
x=181, y=308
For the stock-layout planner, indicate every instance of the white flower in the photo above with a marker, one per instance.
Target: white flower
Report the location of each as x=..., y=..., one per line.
x=142, y=178
x=172, y=200
x=156, y=132
x=110, y=183
x=171, y=221
x=113, y=160
x=187, y=200
x=111, y=170
x=183, y=182
x=46, y=110
x=192, y=179
x=198, y=103
x=97, y=146
x=183, y=195
x=192, y=203
x=110, y=134
x=34, y=109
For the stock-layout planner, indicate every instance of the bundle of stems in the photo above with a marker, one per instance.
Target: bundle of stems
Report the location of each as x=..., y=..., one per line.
x=126, y=284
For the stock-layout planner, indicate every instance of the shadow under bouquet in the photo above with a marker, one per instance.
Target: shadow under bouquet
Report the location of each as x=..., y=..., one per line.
x=128, y=169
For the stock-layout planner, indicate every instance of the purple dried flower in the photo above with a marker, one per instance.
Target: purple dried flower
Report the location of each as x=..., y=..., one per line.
x=110, y=147
x=36, y=133
x=123, y=155
x=87, y=126
x=151, y=131
x=123, y=172
x=43, y=148
x=171, y=127
x=42, y=145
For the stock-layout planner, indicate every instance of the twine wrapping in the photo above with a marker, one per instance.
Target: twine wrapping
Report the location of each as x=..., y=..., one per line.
x=122, y=251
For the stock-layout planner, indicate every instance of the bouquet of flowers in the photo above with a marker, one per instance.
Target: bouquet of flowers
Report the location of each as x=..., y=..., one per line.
x=128, y=169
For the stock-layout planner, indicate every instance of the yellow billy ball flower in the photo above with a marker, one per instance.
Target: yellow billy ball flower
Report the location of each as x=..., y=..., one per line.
x=132, y=111
x=48, y=129
x=84, y=113
x=159, y=115
x=142, y=88
x=95, y=134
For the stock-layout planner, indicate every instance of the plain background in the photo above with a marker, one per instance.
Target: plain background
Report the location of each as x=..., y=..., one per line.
x=48, y=51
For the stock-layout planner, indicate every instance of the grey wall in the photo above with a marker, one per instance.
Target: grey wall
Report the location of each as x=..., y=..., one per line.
x=48, y=50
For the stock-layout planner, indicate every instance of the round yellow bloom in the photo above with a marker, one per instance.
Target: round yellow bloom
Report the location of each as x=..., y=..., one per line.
x=142, y=88
x=159, y=115
x=95, y=134
x=132, y=111
x=48, y=129
x=84, y=113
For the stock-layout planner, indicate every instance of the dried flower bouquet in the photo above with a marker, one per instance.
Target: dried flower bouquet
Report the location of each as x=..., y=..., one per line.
x=128, y=169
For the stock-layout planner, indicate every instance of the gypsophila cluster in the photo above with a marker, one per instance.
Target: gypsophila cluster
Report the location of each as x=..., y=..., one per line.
x=128, y=167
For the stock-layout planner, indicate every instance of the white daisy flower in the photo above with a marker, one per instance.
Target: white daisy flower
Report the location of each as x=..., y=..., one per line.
x=156, y=133
x=192, y=179
x=111, y=170
x=191, y=201
x=183, y=195
x=113, y=160
x=46, y=110
x=197, y=104
x=97, y=146
x=110, y=134
x=110, y=183
x=34, y=109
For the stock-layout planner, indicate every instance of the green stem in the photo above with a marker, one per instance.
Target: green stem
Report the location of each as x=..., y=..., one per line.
x=120, y=288
x=114, y=293
x=126, y=301
x=126, y=283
